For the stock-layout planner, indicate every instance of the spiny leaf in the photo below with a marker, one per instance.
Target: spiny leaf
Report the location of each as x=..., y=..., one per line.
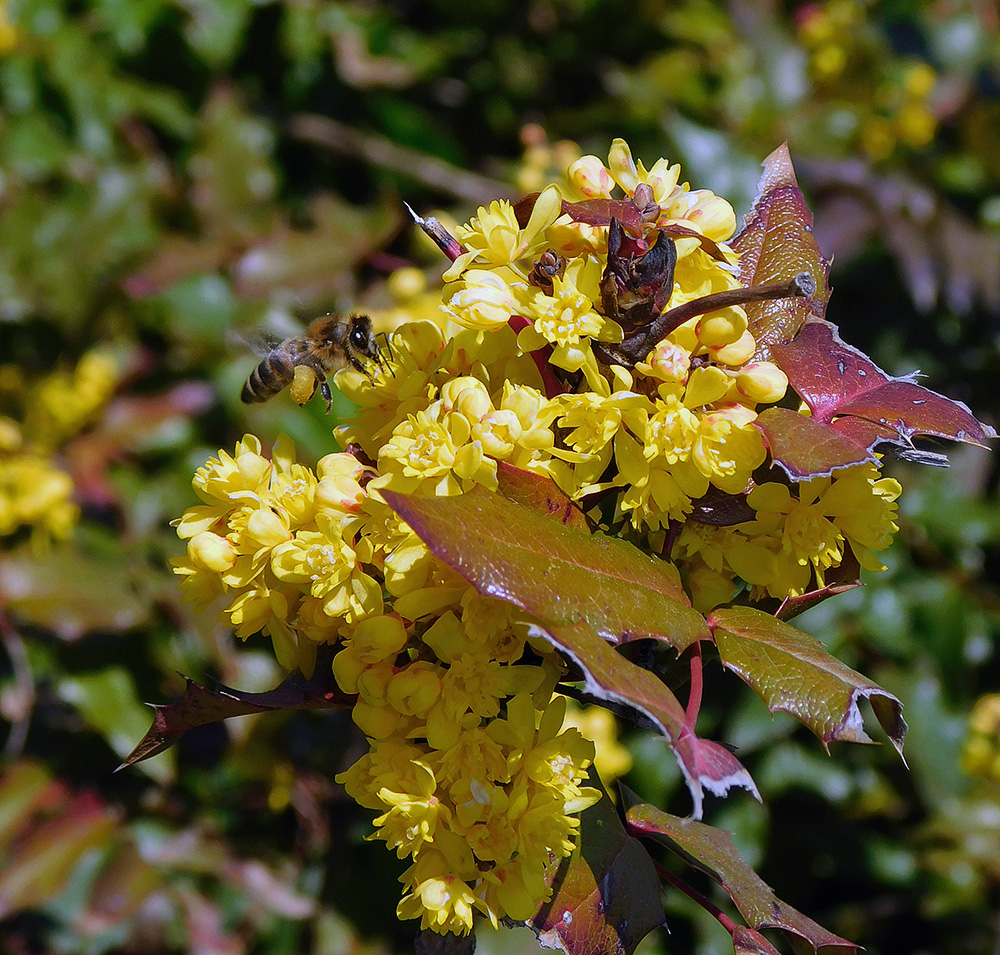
x=607, y=675
x=199, y=706
x=587, y=591
x=606, y=896
x=712, y=851
x=776, y=243
x=539, y=493
x=855, y=408
x=793, y=672
x=560, y=574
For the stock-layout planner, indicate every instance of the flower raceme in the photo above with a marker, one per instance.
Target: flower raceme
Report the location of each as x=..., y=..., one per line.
x=470, y=769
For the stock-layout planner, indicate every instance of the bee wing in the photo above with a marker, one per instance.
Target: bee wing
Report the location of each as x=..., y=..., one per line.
x=261, y=339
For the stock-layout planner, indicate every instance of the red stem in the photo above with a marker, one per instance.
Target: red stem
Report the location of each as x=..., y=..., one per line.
x=694, y=696
x=692, y=893
x=553, y=386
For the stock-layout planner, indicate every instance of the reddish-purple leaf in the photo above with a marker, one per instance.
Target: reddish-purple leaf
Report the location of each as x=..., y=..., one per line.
x=747, y=941
x=199, y=706
x=539, y=493
x=775, y=244
x=856, y=401
x=607, y=675
x=712, y=851
x=46, y=853
x=587, y=591
x=606, y=895
x=806, y=448
x=559, y=573
x=793, y=672
x=838, y=580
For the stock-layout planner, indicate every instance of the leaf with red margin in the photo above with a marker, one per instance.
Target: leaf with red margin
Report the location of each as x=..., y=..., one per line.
x=793, y=672
x=606, y=894
x=775, y=244
x=539, y=493
x=712, y=851
x=559, y=573
x=855, y=407
x=588, y=592
x=199, y=706
x=609, y=676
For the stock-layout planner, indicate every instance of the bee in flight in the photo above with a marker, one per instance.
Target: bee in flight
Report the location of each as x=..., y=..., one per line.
x=330, y=343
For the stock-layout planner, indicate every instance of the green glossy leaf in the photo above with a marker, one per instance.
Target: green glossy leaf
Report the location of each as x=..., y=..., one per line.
x=606, y=896
x=561, y=574
x=712, y=851
x=793, y=672
x=776, y=243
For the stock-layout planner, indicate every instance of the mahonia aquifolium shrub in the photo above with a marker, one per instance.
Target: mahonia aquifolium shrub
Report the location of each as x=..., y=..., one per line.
x=36, y=493
x=470, y=769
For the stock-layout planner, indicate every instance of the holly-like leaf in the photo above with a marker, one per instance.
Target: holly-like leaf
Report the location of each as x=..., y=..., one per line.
x=587, y=592
x=607, y=675
x=793, y=672
x=776, y=243
x=539, y=493
x=606, y=894
x=712, y=851
x=560, y=574
x=855, y=407
x=201, y=705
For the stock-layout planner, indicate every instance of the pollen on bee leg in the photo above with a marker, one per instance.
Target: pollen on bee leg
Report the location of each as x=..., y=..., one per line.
x=303, y=385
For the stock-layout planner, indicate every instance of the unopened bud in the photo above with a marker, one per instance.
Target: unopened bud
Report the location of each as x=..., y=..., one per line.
x=762, y=382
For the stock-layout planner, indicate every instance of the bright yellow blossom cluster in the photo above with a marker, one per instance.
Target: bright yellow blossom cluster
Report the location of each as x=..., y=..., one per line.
x=469, y=769
x=981, y=753
x=35, y=492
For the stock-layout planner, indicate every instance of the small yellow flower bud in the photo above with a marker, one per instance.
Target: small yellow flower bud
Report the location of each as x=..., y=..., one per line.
x=379, y=638
x=739, y=415
x=712, y=216
x=372, y=684
x=414, y=690
x=376, y=722
x=347, y=667
x=340, y=492
x=211, y=552
x=670, y=362
x=763, y=382
x=722, y=327
x=266, y=528
x=706, y=385
x=738, y=352
x=589, y=177
x=622, y=166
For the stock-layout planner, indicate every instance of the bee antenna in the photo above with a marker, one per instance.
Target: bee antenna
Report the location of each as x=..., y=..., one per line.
x=380, y=361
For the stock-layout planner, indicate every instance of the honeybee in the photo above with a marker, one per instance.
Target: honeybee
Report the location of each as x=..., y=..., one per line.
x=330, y=343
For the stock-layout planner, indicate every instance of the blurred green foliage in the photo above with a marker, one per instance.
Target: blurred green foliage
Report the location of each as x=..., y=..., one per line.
x=173, y=172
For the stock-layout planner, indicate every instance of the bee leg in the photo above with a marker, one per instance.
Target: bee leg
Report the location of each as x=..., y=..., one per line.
x=324, y=388
x=358, y=365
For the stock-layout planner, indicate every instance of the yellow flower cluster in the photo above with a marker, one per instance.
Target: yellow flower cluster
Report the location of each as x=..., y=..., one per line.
x=480, y=800
x=897, y=109
x=515, y=363
x=34, y=492
x=981, y=753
